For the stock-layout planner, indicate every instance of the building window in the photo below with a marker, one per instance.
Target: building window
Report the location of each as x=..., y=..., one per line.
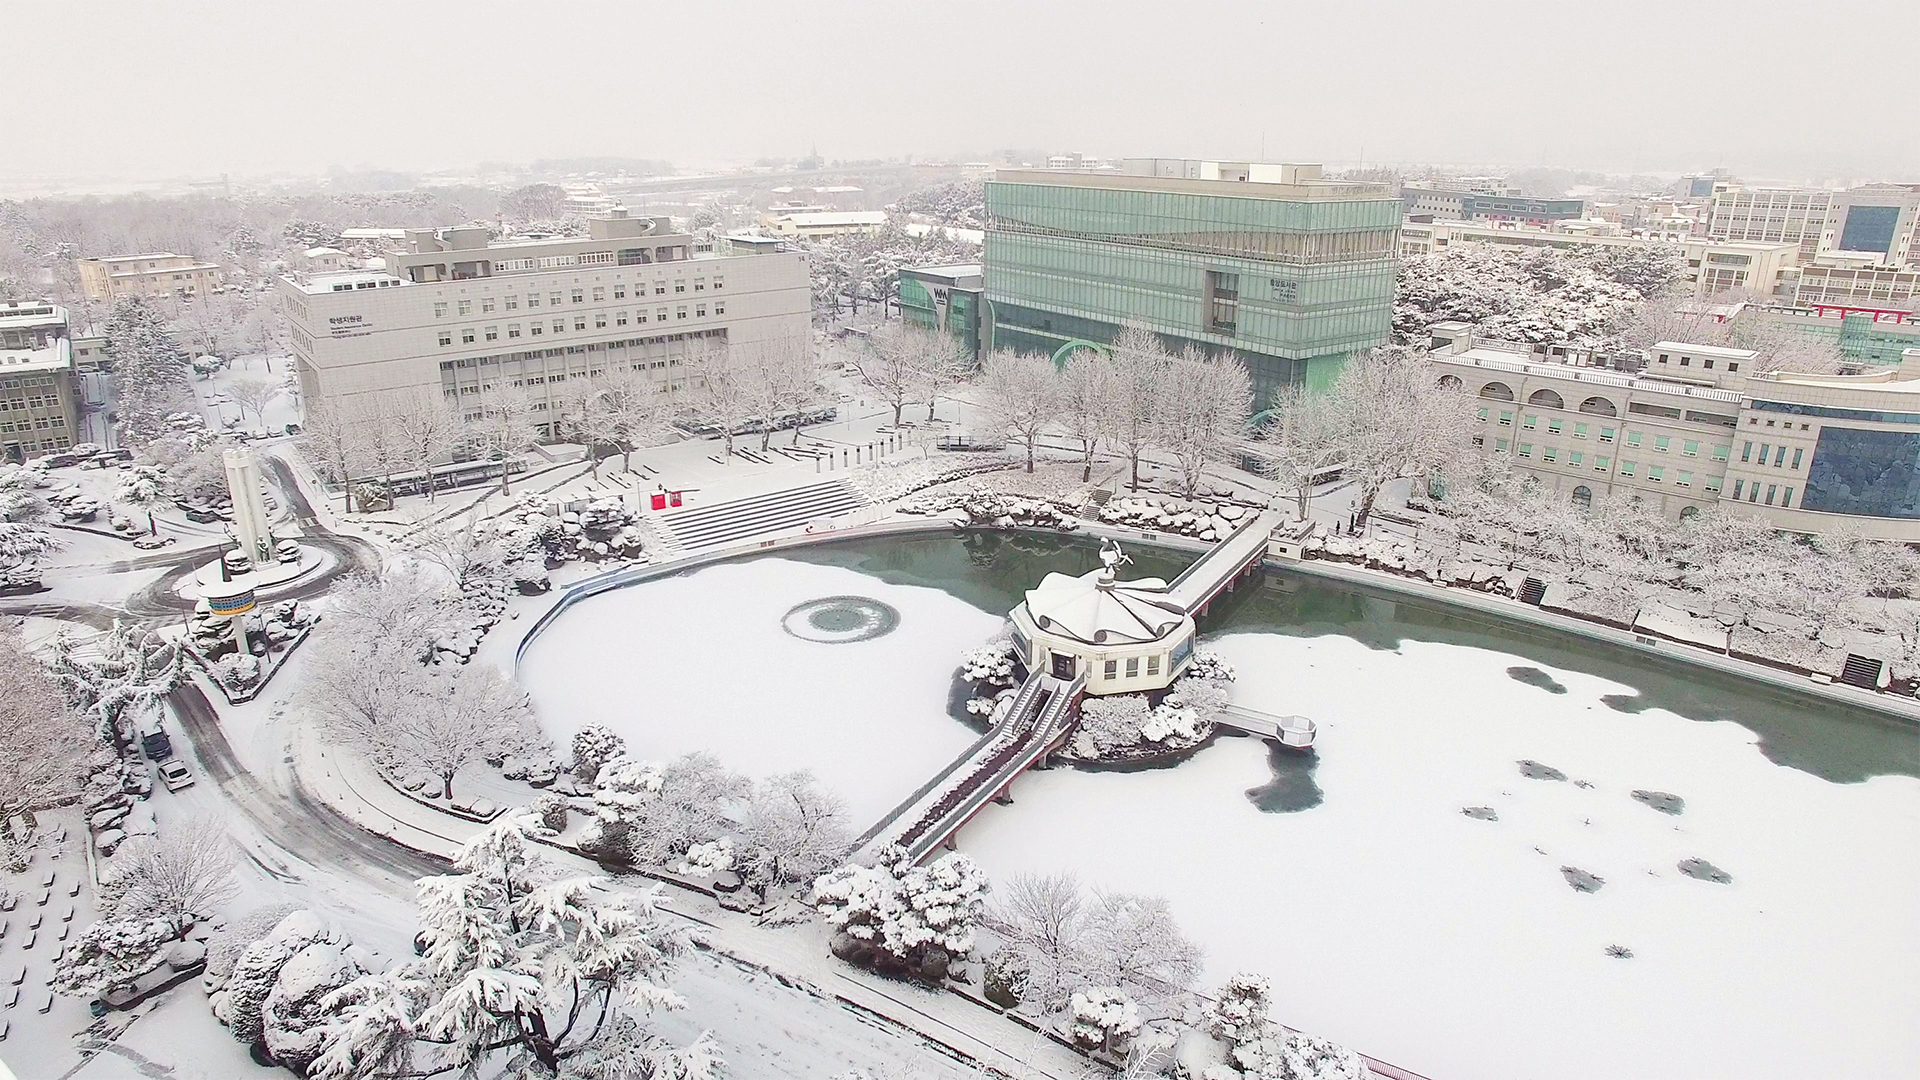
x=659, y=288
x=1153, y=662
x=1506, y=418
x=1133, y=667
x=1550, y=455
x=1661, y=443
x=1656, y=473
x=1779, y=456
x=699, y=311
x=660, y=315
x=1112, y=670
x=446, y=337
x=553, y=299
x=1721, y=450
x=620, y=292
x=513, y=330
x=680, y=286
x=1753, y=493
x=513, y=303
x=680, y=313
x=699, y=284
x=466, y=335
x=536, y=329
x=486, y=304
x=1786, y=498
x=1483, y=416
x=1606, y=434
x=719, y=307
x=1796, y=457
x=580, y=322
x=1771, y=488
x=1627, y=468
x=1733, y=367
x=1526, y=450
x=1529, y=421
x=579, y=295
x=720, y=283
x=439, y=309
x=620, y=318
x=533, y=300
x=1712, y=484
x=1553, y=425
x=599, y=293
x=1575, y=459
x=1499, y=446
x=1737, y=486
x=1633, y=438
x=1683, y=479
x=493, y=333
x=1746, y=450
x=1223, y=302
x=640, y=316
x=466, y=307
x=1762, y=460
x=1691, y=448
x=1579, y=431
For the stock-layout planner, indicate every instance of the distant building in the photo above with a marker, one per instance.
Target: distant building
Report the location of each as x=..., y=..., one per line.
x=160, y=273
x=1865, y=335
x=1701, y=426
x=976, y=170
x=1876, y=222
x=1272, y=264
x=947, y=298
x=827, y=223
x=39, y=403
x=1468, y=206
x=1712, y=267
x=326, y=260
x=1769, y=215
x=457, y=312
x=1861, y=286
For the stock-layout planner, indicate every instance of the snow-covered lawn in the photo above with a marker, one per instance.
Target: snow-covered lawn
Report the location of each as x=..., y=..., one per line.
x=701, y=662
x=1454, y=946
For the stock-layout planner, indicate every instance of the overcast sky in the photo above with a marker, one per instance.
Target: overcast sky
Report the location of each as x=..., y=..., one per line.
x=144, y=89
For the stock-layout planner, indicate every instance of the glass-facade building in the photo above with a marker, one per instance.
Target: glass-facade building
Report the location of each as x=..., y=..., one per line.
x=1290, y=278
x=945, y=298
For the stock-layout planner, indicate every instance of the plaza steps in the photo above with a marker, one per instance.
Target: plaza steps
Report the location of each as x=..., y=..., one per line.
x=741, y=519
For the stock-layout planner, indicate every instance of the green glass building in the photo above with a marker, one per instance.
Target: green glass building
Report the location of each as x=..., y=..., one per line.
x=1271, y=264
x=943, y=298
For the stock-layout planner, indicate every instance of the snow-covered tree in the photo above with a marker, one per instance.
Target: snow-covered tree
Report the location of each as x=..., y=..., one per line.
x=1132, y=942
x=721, y=379
x=44, y=744
x=178, y=877
x=149, y=369
x=1240, y=1009
x=905, y=916
x=792, y=830
x=594, y=746
x=426, y=426
x=651, y=813
x=944, y=363
x=471, y=716
x=122, y=674
x=1141, y=363
x=296, y=1014
x=637, y=413
x=111, y=954
x=522, y=970
x=1204, y=412
x=1394, y=420
x=257, y=971
x=1045, y=916
x=893, y=365
x=1283, y=1055
x=253, y=393
x=503, y=426
x=781, y=382
x=1020, y=393
x=1296, y=441
x=1088, y=395
x=1103, y=1017
x=333, y=438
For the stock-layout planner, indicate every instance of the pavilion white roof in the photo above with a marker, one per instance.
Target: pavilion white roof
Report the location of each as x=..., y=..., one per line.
x=1095, y=609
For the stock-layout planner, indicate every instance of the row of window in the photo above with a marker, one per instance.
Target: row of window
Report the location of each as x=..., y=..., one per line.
x=1707, y=361
x=1753, y=493
x=1779, y=456
x=577, y=295
x=44, y=423
x=599, y=318
x=1111, y=668
x=1577, y=459
x=1661, y=443
x=37, y=401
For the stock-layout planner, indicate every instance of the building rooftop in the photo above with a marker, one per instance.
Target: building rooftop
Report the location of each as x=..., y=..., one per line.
x=31, y=313
x=1303, y=190
x=346, y=281
x=829, y=218
x=1095, y=609
x=1496, y=361
x=956, y=270
x=1704, y=350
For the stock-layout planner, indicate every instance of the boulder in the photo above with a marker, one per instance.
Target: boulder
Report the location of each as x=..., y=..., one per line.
x=108, y=840
x=934, y=964
x=186, y=955
x=845, y=946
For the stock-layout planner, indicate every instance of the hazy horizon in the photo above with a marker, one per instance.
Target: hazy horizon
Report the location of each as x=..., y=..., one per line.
x=201, y=88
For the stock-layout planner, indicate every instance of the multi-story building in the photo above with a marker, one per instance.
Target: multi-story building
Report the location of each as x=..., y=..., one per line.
x=1453, y=205
x=1769, y=215
x=456, y=311
x=39, y=403
x=816, y=223
x=1866, y=336
x=1874, y=223
x=1713, y=267
x=1271, y=264
x=1701, y=427
x=160, y=273
x=1858, y=286
x=944, y=298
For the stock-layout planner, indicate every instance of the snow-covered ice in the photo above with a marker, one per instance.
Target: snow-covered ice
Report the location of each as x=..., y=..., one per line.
x=1390, y=921
x=700, y=662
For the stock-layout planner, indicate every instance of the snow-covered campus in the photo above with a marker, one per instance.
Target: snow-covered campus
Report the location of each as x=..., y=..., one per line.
x=1015, y=614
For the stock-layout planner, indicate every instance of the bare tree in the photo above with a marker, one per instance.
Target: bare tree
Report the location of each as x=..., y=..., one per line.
x=1046, y=916
x=453, y=722
x=1088, y=388
x=891, y=365
x=332, y=436
x=944, y=362
x=1395, y=420
x=724, y=399
x=255, y=393
x=1020, y=392
x=178, y=877
x=1133, y=943
x=1140, y=364
x=505, y=426
x=1296, y=443
x=793, y=830
x=587, y=413
x=1204, y=412
x=44, y=744
x=641, y=413
x=781, y=384
x=427, y=427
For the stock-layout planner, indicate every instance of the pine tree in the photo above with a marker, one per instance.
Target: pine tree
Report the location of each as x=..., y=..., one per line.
x=150, y=372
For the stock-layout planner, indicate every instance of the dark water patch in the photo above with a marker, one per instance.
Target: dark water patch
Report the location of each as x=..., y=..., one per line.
x=1292, y=788
x=1581, y=880
x=962, y=692
x=1663, y=801
x=1533, y=676
x=1481, y=813
x=1619, y=952
x=1626, y=703
x=1705, y=871
x=1534, y=770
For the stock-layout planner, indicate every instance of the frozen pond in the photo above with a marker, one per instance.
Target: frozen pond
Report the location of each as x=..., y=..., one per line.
x=1450, y=944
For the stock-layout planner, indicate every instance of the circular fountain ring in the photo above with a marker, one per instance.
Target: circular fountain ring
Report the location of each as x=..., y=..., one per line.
x=836, y=620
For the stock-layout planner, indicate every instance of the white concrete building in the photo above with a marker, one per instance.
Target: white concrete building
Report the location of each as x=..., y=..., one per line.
x=1126, y=637
x=827, y=223
x=158, y=273
x=39, y=403
x=457, y=311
